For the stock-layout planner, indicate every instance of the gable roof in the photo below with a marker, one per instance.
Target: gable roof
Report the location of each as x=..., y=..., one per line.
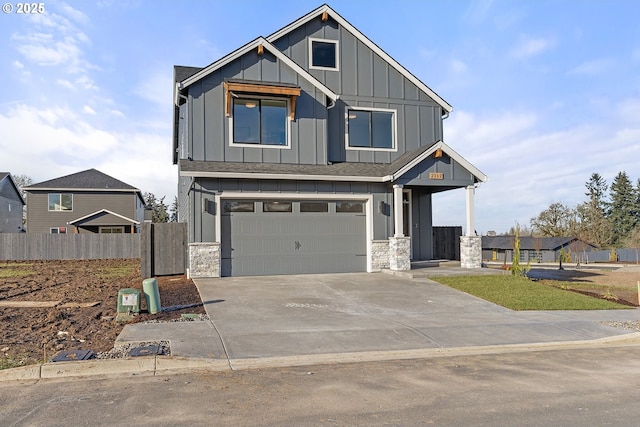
x=351, y=171
x=367, y=42
x=91, y=179
x=101, y=213
x=260, y=41
x=531, y=243
x=7, y=176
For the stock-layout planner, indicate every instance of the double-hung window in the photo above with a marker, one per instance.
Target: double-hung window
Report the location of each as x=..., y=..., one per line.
x=372, y=129
x=60, y=201
x=260, y=121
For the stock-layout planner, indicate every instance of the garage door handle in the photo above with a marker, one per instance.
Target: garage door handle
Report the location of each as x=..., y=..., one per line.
x=298, y=245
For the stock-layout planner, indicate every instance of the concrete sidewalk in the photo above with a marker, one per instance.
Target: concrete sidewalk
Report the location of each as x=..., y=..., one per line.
x=306, y=315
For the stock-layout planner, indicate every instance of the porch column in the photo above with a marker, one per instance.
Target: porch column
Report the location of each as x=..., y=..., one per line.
x=398, y=225
x=399, y=244
x=471, y=189
x=470, y=244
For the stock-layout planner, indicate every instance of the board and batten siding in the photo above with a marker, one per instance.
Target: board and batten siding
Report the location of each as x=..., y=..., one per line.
x=41, y=220
x=208, y=133
x=364, y=79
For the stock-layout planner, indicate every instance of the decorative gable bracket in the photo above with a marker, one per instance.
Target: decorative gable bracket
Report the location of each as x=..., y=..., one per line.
x=261, y=88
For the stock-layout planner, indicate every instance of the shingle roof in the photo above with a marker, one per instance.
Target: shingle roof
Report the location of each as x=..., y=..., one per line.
x=90, y=179
x=345, y=169
x=181, y=72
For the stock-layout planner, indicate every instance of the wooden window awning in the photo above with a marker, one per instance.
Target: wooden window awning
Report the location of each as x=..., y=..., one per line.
x=260, y=88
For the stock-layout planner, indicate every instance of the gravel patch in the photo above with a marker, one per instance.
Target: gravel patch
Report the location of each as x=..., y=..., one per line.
x=630, y=325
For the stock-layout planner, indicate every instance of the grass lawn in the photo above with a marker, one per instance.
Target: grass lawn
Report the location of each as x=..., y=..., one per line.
x=520, y=293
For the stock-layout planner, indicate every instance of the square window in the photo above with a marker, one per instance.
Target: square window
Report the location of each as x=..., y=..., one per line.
x=372, y=129
x=323, y=54
x=60, y=202
x=260, y=121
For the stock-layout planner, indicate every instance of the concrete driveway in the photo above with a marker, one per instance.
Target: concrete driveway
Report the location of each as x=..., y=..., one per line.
x=276, y=316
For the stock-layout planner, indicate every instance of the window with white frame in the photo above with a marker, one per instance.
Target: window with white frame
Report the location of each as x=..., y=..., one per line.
x=60, y=202
x=260, y=121
x=323, y=54
x=371, y=129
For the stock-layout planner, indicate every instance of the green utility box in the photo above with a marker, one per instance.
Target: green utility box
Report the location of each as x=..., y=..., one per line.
x=128, y=304
x=129, y=301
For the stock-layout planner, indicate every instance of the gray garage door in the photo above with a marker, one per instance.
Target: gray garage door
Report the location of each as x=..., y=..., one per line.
x=263, y=237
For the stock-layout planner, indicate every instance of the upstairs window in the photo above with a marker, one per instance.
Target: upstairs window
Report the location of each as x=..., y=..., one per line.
x=60, y=202
x=371, y=129
x=260, y=121
x=323, y=54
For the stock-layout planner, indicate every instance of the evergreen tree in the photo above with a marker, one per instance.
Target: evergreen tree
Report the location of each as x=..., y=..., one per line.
x=623, y=208
x=173, y=212
x=595, y=227
x=158, y=207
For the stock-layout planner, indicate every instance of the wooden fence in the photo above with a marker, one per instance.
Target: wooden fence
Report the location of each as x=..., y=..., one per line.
x=28, y=247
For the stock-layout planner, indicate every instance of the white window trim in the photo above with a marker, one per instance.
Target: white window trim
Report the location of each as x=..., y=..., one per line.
x=394, y=132
x=59, y=210
x=279, y=147
x=312, y=67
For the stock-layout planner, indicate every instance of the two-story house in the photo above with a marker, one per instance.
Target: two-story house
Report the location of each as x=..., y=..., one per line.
x=85, y=202
x=312, y=151
x=11, y=205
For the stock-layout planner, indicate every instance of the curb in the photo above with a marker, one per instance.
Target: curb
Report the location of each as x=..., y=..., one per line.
x=166, y=365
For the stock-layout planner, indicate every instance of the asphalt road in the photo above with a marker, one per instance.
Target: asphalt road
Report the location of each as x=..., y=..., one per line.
x=573, y=387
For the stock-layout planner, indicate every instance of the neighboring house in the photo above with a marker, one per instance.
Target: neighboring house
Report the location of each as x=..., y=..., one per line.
x=11, y=205
x=311, y=151
x=84, y=202
x=534, y=249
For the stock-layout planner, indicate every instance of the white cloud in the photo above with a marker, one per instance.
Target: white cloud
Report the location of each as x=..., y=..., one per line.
x=155, y=86
x=593, y=67
x=88, y=110
x=75, y=14
x=17, y=64
x=457, y=67
x=528, y=47
x=57, y=141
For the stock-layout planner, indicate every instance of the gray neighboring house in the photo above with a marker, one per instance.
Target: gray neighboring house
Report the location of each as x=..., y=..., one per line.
x=312, y=151
x=85, y=202
x=11, y=205
x=533, y=249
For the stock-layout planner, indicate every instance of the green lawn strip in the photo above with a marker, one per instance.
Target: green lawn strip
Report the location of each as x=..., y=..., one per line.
x=519, y=293
x=7, y=273
x=112, y=273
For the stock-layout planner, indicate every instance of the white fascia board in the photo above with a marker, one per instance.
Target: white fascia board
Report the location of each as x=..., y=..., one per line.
x=66, y=190
x=104, y=211
x=371, y=45
x=248, y=175
x=450, y=152
x=247, y=48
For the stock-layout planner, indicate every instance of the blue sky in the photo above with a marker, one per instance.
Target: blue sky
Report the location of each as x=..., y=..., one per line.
x=544, y=92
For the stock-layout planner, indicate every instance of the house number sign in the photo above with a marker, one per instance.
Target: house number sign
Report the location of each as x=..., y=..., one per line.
x=436, y=175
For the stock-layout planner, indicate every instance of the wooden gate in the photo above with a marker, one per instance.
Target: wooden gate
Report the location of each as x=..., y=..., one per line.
x=163, y=249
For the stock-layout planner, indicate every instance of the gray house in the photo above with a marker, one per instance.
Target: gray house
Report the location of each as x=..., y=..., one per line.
x=534, y=249
x=312, y=151
x=84, y=202
x=11, y=205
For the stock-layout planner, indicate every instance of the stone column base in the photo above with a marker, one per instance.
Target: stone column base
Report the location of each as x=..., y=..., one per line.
x=400, y=253
x=379, y=255
x=204, y=260
x=470, y=251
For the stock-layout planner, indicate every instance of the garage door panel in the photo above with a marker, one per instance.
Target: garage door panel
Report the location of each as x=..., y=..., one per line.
x=257, y=243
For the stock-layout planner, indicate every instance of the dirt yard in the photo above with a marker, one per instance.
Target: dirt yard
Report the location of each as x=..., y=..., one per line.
x=620, y=284
x=82, y=301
